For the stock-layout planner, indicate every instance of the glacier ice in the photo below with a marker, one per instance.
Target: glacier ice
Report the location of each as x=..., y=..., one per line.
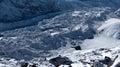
x=57, y=27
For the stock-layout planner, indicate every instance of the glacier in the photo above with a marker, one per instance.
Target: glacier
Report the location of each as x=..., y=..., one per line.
x=33, y=32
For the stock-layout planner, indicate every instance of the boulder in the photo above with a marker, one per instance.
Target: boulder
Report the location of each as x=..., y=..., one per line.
x=57, y=61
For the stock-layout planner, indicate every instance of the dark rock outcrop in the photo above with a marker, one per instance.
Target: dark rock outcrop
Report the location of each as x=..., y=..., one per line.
x=77, y=48
x=118, y=65
x=60, y=61
x=24, y=65
x=106, y=61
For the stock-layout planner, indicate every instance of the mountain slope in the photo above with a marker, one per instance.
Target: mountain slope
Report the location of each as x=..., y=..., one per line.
x=30, y=12
x=71, y=32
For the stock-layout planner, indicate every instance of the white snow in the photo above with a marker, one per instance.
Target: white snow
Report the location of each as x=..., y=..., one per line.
x=77, y=27
x=54, y=33
x=111, y=28
x=107, y=38
x=81, y=26
x=76, y=13
x=77, y=65
x=100, y=42
x=1, y=38
x=64, y=66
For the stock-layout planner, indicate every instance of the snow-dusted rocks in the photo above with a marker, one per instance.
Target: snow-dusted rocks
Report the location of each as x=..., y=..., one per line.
x=97, y=57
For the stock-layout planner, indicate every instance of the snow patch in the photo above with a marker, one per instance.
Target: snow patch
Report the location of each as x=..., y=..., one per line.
x=77, y=65
x=76, y=13
x=54, y=33
x=100, y=42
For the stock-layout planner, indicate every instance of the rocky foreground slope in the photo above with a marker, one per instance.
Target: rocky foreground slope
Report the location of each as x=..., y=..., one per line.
x=82, y=58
